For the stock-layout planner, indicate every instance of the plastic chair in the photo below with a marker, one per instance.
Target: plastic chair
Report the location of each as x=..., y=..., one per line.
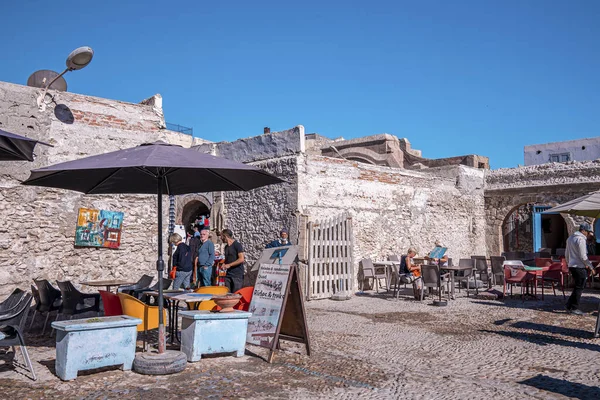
x=112, y=303
x=368, y=272
x=207, y=304
x=244, y=303
x=497, y=269
x=142, y=284
x=13, y=300
x=50, y=299
x=481, y=268
x=38, y=303
x=542, y=262
x=430, y=274
x=515, y=274
x=555, y=276
x=148, y=314
x=141, y=295
x=11, y=329
x=467, y=273
x=73, y=301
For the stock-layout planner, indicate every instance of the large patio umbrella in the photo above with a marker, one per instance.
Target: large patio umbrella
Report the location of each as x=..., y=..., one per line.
x=16, y=147
x=153, y=168
x=586, y=206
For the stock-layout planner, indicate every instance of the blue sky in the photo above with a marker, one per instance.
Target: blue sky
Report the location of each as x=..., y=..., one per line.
x=454, y=77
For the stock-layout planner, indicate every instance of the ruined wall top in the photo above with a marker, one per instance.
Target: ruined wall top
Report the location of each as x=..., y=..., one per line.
x=550, y=174
x=267, y=146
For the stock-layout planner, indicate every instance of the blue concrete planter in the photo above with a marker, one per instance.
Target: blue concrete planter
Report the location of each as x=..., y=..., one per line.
x=205, y=332
x=93, y=343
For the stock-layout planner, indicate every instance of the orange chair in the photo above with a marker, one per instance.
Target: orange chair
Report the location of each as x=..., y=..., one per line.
x=208, y=304
x=244, y=303
x=148, y=314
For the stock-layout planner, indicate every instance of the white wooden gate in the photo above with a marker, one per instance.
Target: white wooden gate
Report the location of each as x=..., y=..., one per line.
x=330, y=261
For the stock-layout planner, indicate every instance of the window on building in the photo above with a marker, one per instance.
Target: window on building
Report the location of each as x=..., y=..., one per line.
x=562, y=157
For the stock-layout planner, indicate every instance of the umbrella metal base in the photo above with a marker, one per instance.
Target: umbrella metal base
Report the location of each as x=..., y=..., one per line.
x=169, y=362
x=440, y=303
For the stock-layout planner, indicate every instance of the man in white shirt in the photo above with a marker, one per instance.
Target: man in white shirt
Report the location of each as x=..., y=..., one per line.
x=578, y=262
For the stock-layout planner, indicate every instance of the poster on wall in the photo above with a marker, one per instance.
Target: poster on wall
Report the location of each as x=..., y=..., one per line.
x=267, y=303
x=98, y=228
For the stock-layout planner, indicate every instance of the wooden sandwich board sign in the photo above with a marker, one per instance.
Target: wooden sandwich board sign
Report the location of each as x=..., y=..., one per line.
x=277, y=309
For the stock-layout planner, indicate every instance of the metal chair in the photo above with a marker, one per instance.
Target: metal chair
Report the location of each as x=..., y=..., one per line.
x=11, y=329
x=50, y=299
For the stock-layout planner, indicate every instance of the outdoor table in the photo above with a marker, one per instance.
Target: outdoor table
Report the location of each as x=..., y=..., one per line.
x=108, y=283
x=453, y=269
x=535, y=272
x=172, y=299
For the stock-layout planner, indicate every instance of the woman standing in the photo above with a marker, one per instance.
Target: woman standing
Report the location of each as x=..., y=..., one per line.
x=182, y=262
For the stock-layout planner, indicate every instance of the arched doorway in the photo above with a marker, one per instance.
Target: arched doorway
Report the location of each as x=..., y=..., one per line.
x=191, y=211
x=527, y=228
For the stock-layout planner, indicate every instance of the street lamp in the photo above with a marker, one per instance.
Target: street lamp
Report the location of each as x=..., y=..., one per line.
x=78, y=59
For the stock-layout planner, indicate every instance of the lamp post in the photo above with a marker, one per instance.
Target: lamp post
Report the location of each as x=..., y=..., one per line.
x=77, y=59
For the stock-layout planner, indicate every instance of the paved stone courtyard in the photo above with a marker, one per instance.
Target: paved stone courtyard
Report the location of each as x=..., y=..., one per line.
x=373, y=347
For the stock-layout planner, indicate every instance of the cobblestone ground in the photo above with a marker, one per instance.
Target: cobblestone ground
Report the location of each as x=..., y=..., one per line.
x=372, y=347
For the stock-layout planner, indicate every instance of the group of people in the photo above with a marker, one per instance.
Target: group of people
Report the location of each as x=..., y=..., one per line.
x=198, y=262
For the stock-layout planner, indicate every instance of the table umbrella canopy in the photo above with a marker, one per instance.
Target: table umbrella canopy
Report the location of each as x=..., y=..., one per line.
x=586, y=206
x=136, y=170
x=16, y=147
x=152, y=168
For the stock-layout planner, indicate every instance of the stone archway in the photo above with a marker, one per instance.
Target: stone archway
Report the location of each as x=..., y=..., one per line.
x=188, y=207
x=499, y=204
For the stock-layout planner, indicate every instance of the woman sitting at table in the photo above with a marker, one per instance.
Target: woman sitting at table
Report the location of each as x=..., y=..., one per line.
x=411, y=273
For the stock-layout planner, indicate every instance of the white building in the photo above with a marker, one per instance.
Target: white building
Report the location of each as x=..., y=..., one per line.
x=570, y=150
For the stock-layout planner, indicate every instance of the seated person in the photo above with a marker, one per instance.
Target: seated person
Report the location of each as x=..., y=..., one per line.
x=282, y=241
x=411, y=273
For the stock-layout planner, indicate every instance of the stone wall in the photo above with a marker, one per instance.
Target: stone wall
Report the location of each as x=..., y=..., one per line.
x=545, y=185
x=394, y=209
x=38, y=230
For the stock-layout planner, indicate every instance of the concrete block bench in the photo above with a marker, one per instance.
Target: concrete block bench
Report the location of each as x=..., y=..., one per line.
x=93, y=343
x=206, y=332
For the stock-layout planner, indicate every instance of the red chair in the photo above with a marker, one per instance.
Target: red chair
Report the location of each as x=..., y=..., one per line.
x=543, y=262
x=515, y=274
x=555, y=275
x=244, y=303
x=112, y=303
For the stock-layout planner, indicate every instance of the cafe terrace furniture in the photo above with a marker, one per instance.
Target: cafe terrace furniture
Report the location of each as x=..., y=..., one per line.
x=141, y=293
x=36, y=307
x=173, y=298
x=73, y=301
x=430, y=275
x=554, y=275
x=244, y=303
x=50, y=299
x=107, y=283
x=481, y=268
x=368, y=271
x=92, y=343
x=143, y=284
x=467, y=265
x=207, y=304
x=111, y=303
x=12, y=322
x=137, y=309
x=497, y=269
x=204, y=332
x=517, y=273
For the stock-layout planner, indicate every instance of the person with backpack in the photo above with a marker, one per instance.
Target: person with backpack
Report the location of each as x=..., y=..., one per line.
x=182, y=262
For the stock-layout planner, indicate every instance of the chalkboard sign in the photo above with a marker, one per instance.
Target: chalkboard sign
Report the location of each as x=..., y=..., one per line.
x=277, y=308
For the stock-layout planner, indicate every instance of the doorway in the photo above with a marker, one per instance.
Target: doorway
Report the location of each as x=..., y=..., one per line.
x=549, y=230
x=191, y=211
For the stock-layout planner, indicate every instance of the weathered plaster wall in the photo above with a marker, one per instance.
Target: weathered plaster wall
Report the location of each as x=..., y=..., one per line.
x=257, y=216
x=38, y=229
x=578, y=150
x=394, y=209
x=546, y=184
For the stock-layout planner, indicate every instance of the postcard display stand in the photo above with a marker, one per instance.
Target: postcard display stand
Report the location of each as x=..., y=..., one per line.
x=277, y=306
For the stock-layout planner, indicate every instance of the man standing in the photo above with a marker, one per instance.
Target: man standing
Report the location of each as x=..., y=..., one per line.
x=205, y=259
x=282, y=241
x=234, y=261
x=578, y=262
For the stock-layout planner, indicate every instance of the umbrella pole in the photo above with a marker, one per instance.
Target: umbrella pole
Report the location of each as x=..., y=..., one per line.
x=160, y=266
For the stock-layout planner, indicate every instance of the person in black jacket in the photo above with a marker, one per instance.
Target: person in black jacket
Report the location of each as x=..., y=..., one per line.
x=182, y=261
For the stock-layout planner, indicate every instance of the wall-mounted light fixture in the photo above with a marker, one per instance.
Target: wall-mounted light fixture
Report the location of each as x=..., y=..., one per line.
x=78, y=59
